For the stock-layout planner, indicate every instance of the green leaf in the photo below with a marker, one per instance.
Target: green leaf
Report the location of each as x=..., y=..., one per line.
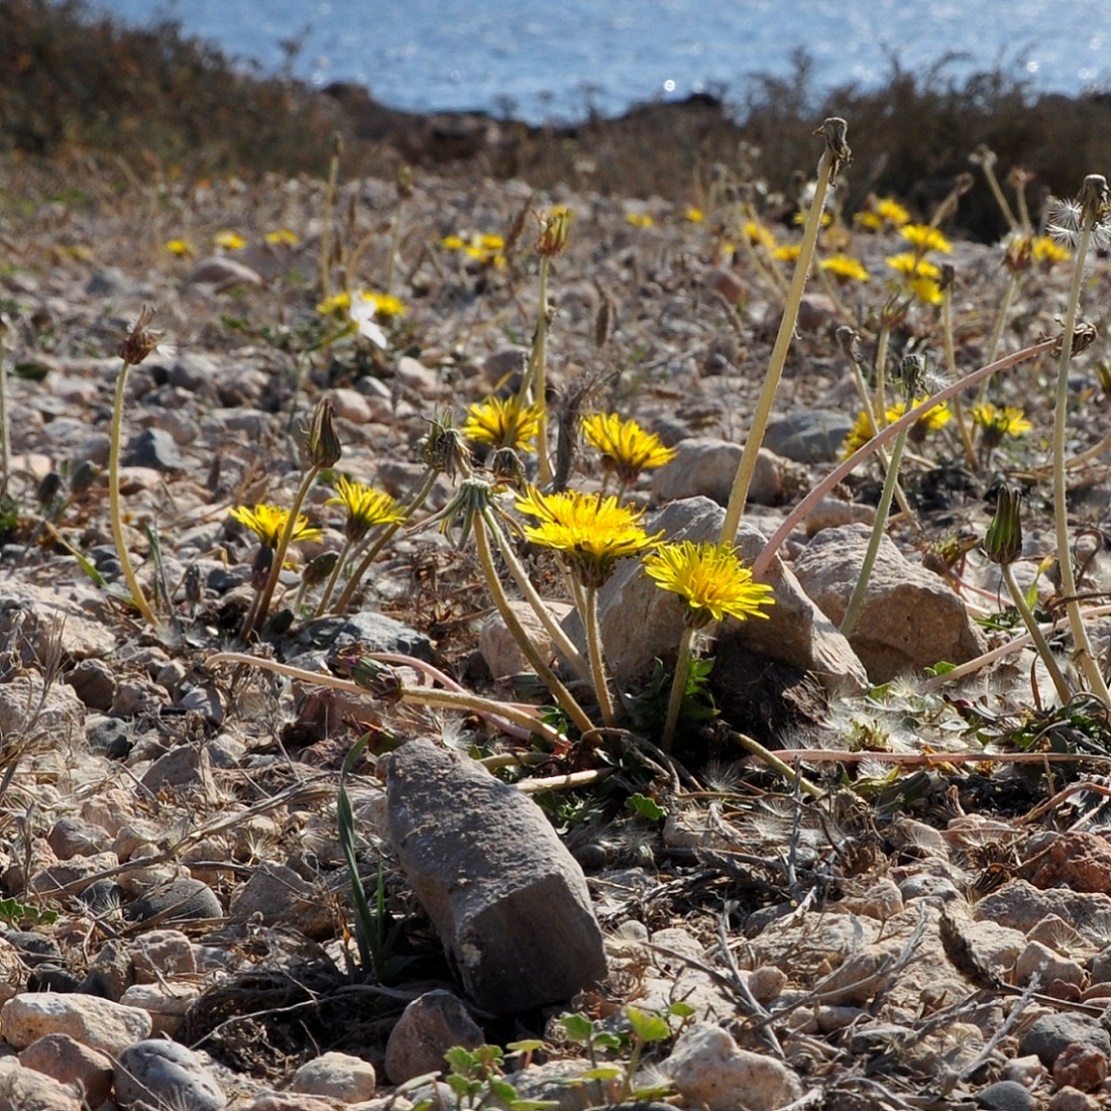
x=648, y=1027
x=461, y=1060
x=940, y=668
x=681, y=1010
x=605, y=1040
x=529, y=1045
x=577, y=1027
x=31, y=372
x=645, y=807
x=602, y=1072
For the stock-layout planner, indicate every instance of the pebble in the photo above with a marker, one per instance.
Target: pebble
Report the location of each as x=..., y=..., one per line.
x=1006, y=1095
x=27, y=1089
x=338, y=1076
x=177, y=901
x=429, y=1026
x=97, y=1023
x=809, y=435
x=709, y=1070
x=166, y=1074
x=1052, y=1034
x=71, y=1063
x=156, y=449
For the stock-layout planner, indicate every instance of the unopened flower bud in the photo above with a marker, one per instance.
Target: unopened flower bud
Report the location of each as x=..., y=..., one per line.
x=323, y=447
x=48, y=488
x=317, y=570
x=381, y=680
x=1003, y=542
x=507, y=468
x=444, y=449
x=260, y=568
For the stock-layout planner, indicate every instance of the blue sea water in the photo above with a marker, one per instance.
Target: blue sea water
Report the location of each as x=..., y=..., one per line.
x=556, y=60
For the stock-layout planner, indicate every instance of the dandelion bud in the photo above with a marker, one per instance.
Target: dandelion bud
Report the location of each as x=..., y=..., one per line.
x=910, y=372
x=260, y=568
x=1094, y=199
x=139, y=341
x=835, y=130
x=381, y=680
x=405, y=183
x=444, y=449
x=507, y=468
x=48, y=488
x=83, y=478
x=323, y=447
x=317, y=570
x=1003, y=542
x=194, y=590
x=555, y=232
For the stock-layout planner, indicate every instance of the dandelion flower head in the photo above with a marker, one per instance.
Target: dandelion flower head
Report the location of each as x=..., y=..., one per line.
x=366, y=507
x=711, y=579
x=845, y=268
x=268, y=522
x=923, y=238
x=591, y=532
x=999, y=421
x=624, y=445
x=503, y=424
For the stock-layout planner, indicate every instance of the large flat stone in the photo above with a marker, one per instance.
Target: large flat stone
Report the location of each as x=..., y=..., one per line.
x=509, y=902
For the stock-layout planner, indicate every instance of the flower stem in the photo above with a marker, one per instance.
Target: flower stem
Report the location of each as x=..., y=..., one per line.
x=856, y=601
x=1042, y=645
x=460, y=700
x=1009, y=292
x=678, y=685
x=411, y=506
x=562, y=695
x=562, y=642
x=866, y=451
x=747, y=465
x=597, y=658
x=137, y=595
x=534, y=384
x=256, y=615
x=1088, y=663
x=951, y=367
x=326, y=229
x=333, y=578
x=5, y=419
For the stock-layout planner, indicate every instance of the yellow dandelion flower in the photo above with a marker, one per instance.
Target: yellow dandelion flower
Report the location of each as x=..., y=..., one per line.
x=639, y=220
x=452, y=243
x=845, y=268
x=503, y=424
x=800, y=218
x=911, y=265
x=366, y=507
x=923, y=238
x=999, y=422
x=926, y=289
x=491, y=242
x=336, y=304
x=711, y=579
x=758, y=235
x=283, y=237
x=693, y=215
x=937, y=417
x=861, y=432
x=789, y=252
x=229, y=240
x=1047, y=250
x=180, y=247
x=386, y=305
x=883, y=213
x=268, y=522
x=591, y=532
x=625, y=446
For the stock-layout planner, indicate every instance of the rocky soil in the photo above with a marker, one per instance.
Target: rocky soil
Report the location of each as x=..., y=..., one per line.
x=931, y=931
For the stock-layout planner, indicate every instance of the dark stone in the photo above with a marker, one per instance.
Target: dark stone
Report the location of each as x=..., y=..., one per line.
x=1007, y=1095
x=1052, y=1034
x=177, y=901
x=374, y=631
x=809, y=435
x=53, y=977
x=508, y=900
x=34, y=949
x=154, y=447
x=102, y=897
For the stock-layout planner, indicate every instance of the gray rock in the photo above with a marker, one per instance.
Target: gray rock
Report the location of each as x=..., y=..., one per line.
x=222, y=274
x=429, y=1026
x=1006, y=1095
x=182, y=767
x=177, y=901
x=277, y=894
x=510, y=903
x=111, y=972
x=641, y=623
x=40, y=612
x=156, y=449
x=73, y=836
x=192, y=371
x=336, y=1076
x=28, y=708
x=706, y=466
x=1052, y=1034
x=161, y=1073
x=1021, y=906
x=910, y=618
x=375, y=631
x=94, y=683
x=809, y=435
x=30, y=1090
